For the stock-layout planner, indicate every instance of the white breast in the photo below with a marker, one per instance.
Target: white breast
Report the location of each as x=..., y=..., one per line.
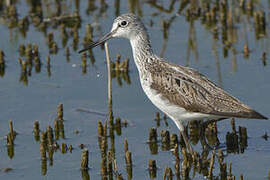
x=178, y=114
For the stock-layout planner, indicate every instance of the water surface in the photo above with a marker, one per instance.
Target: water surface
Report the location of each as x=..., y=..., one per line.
x=190, y=44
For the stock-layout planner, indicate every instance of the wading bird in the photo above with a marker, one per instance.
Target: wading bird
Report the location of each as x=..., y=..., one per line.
x=180, y=92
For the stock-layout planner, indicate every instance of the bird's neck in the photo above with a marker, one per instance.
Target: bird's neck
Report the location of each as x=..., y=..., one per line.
x=142, y=50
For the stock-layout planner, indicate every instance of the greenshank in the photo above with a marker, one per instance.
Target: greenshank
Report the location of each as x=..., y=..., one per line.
x=180, y=92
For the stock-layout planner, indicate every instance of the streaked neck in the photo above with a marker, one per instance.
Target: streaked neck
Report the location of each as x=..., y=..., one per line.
x=141, y=48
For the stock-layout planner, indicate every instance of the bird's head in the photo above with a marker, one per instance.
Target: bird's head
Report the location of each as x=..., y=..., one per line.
x=125, y=26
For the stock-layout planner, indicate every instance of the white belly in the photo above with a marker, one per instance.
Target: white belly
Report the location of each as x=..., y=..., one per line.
x=178, y=114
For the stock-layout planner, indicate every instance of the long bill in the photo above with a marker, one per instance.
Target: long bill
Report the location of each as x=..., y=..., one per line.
x=100, y=41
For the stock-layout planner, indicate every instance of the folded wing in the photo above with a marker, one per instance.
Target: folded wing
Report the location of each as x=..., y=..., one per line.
x=189, y=89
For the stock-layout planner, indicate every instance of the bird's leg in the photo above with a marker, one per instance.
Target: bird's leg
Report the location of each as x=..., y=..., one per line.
x=181, y=127
x=187, y=143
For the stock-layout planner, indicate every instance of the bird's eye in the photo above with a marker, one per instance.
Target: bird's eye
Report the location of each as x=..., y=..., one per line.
x=123, y=23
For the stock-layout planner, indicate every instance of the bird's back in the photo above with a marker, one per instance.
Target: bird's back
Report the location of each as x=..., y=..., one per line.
x=188, y=89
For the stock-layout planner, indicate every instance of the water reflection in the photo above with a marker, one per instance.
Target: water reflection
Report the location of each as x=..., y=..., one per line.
x=2, y=63
x=49, y=138
x=220, y=18
x=204, y=135
x=192, y=43
x=120, y=70
x=62, y=24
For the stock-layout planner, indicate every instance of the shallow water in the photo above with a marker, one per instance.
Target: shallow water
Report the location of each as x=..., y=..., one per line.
x=245, y=78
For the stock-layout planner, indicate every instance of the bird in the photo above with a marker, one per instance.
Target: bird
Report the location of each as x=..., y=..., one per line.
x=180, y=92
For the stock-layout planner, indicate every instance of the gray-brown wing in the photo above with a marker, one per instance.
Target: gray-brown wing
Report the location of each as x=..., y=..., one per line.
x=193, y=91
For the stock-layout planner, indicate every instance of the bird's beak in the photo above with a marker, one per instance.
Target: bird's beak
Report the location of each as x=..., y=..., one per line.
x=100, y=41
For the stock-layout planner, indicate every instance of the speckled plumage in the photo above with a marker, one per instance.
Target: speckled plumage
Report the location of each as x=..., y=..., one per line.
x=181, y=86
x=180, y=92
x=189, y=89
